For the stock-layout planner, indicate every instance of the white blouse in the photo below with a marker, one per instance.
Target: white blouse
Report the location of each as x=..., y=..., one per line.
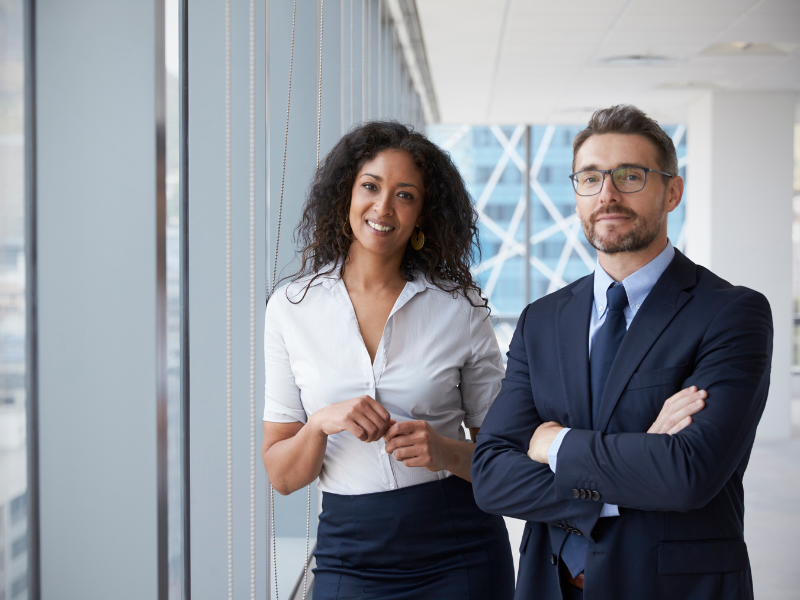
x=438, y=361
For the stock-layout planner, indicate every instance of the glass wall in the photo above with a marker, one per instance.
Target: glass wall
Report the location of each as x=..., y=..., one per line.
x=366, y=75
x=13, y=478
x=493, y=161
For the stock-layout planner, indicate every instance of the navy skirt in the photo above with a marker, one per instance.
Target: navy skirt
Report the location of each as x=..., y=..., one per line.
x=424, y=541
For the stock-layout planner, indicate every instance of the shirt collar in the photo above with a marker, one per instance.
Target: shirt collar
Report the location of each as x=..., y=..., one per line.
x=329, y=280
x=637, y=285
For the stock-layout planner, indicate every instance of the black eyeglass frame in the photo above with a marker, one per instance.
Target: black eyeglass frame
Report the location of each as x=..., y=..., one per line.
x=610, y=172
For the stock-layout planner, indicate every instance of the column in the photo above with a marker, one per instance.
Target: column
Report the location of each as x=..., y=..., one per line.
x=100, y=275
x=739, y=212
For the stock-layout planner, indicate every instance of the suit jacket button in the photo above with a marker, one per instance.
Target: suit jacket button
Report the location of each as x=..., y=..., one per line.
x=575, y=494
x=595, y=495
x=553, y=559
x=582, y=494
x=578, y=532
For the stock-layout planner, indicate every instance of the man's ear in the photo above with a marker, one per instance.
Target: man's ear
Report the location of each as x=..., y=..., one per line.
x=674, y=193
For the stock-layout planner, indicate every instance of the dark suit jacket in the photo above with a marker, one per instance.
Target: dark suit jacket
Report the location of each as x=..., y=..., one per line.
x=680, y=532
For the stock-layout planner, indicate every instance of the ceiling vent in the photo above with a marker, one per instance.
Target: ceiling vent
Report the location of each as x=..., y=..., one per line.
x=639, y=60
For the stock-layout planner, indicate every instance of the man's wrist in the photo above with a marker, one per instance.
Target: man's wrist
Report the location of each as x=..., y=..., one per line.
x=541, y=440
x=552, y=452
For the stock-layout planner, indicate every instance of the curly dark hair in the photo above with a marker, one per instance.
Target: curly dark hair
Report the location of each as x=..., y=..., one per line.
x=449, y=218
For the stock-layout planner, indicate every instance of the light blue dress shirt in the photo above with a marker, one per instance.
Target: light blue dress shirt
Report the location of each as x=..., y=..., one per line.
x=637, y=285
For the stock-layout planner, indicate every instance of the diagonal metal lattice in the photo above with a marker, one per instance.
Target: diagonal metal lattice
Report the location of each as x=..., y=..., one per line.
x=500, y=237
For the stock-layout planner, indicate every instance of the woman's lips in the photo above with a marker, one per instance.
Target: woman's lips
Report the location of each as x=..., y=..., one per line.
x=379, y=227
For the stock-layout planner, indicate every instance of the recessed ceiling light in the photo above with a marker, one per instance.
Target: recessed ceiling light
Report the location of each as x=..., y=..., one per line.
x=639, y=60
x=745, y=49
x=692, y=85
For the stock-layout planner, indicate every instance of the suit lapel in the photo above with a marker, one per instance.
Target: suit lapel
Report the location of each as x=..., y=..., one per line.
x=663, y=302
x=572, y=341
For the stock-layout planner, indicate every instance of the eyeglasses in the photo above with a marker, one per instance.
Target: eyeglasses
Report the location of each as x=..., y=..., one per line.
x=626, y=179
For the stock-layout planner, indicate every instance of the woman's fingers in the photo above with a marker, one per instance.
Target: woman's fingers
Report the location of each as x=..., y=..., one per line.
x=369, y=416
x=356, y=430
x=381, y=423
x=402, y=428
x=371, y=428
x=406, y=452
x=399, y=441
x=382, y=413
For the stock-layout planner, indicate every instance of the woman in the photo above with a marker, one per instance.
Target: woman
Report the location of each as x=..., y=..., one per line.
x=376, y=353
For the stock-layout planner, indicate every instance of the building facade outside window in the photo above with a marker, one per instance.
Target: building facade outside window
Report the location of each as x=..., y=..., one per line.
x=13, y=437
x=492, y=160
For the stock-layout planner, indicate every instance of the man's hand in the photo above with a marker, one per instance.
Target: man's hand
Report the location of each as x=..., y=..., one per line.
x=541, y=440
x=676, y=414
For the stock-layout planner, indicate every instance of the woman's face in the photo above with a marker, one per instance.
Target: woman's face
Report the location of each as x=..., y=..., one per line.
x=386, y=203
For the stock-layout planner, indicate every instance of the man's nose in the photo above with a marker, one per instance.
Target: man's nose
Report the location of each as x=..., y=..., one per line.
x=609, y=192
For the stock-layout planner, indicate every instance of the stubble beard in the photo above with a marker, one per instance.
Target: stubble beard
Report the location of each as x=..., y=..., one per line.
x=644, y=231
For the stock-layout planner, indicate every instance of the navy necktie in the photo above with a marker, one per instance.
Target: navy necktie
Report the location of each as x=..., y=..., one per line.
x=606, y=343
x=605, y=346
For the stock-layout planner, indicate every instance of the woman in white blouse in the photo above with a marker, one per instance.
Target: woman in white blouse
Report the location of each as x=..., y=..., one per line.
x=376, y=353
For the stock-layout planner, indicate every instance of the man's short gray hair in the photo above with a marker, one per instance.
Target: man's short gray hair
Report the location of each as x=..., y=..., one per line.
x=624, y=118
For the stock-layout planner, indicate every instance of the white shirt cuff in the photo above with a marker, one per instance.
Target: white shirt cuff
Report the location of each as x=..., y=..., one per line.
x=552, y=452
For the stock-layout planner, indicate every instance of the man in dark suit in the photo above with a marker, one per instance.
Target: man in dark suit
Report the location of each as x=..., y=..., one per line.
x=627, y=496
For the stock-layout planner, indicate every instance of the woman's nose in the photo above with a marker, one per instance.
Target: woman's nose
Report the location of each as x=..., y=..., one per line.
x=382, y=205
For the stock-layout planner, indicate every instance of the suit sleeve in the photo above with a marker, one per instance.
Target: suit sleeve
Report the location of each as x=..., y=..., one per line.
x=682, y=472
x=505, y=481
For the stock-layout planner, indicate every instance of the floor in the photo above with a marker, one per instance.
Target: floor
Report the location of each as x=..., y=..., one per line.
x=772, y=518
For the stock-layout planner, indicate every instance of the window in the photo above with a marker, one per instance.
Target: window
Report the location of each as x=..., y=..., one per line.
x=19, y=546
x=18, y=508
x=559, y=251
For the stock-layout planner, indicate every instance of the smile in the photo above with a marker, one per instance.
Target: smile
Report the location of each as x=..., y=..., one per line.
x=377, y=227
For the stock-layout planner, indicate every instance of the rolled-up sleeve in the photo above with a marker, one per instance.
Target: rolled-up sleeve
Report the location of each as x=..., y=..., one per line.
x=282, y=402
x=482, y=373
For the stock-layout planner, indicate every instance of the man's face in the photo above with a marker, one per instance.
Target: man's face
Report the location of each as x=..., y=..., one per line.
x=625, y=222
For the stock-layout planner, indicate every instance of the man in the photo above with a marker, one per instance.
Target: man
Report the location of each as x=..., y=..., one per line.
x=627, y=496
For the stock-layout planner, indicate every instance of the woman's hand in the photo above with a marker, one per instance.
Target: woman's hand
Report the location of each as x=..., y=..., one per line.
x=363, y=417
x=676, y=414
x=416, y=444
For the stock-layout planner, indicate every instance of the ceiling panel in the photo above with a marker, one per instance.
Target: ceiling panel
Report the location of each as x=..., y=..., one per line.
x=545, y=61
x=689, y=8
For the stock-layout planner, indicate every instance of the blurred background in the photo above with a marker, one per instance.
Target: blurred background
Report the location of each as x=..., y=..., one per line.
x=146, y=162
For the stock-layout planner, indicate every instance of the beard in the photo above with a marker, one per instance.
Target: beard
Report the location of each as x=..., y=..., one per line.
x=644, y=231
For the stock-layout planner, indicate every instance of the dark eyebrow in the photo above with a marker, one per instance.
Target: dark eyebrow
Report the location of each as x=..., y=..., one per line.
x=401, y=184
x=594, y=167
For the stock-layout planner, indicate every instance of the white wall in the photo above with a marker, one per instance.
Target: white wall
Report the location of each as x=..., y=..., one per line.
x=739, y=212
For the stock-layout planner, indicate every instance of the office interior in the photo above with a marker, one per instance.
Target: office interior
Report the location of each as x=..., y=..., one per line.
x=155, y=158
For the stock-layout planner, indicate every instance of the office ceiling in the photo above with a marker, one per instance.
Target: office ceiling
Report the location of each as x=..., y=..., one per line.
x=537, y=61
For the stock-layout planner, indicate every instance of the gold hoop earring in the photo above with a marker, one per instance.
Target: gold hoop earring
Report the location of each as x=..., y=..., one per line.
x=417, y=239
x=349, y=235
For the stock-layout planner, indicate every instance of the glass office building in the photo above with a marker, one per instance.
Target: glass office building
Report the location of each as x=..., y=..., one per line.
x=494, y=161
